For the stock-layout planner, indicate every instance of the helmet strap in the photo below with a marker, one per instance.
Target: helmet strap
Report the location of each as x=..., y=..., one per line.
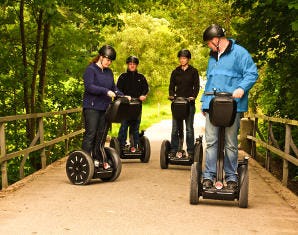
x=99, y=62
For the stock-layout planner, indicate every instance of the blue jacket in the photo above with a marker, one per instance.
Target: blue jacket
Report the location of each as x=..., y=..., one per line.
x=97, y=83
x=234, y=69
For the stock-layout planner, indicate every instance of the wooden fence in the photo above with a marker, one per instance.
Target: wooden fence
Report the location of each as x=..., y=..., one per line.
x=251, y=137
x=39, y=137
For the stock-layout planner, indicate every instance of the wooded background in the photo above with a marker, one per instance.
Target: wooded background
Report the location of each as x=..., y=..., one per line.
x=45, y=45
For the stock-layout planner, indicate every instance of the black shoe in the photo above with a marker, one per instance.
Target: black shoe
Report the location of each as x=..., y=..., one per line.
x=232, y=185
x=207, y=183
x=190, y=155
x=172, y=154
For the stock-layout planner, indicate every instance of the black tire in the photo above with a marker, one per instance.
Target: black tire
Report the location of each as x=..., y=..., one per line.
x=243, y=186
x=194, y=184
x=164, y=151
x=198, y=152
x=115, y=163
x=114, y=143
x=79, y=167
x=145, y=144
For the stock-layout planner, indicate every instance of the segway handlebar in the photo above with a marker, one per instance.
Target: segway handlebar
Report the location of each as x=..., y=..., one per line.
x=172, y=98
x=219, y=93
x=126, y=97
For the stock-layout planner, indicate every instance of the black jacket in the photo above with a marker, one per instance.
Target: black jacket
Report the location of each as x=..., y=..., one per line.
x=184, y=83
x=133, y=84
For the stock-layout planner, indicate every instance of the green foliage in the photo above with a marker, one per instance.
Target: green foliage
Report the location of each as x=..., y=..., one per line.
x=153, y=30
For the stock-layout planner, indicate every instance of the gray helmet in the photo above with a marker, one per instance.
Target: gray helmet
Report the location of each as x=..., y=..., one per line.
x=108, y=52
x=132, y=59
x=212, y=31
x=184, y=53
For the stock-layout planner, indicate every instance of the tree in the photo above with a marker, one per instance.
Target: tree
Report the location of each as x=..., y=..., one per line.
x=269, y=31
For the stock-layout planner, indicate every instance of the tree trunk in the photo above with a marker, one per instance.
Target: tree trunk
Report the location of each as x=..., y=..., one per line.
x=29, y=131
x=42, y=80
x=36, y=60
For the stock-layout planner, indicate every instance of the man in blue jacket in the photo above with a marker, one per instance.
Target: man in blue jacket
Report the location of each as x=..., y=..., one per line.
x=230, y=69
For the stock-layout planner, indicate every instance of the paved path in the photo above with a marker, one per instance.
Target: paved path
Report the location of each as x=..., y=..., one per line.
x=144, y=200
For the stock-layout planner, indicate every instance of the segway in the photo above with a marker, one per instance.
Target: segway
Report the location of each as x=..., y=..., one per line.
x=132, y=112
x=180, y=111
x=222, y=112
x=105, y=162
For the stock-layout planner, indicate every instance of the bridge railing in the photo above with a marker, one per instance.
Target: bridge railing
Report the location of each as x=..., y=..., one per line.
x=251, y=137
x=38, y=143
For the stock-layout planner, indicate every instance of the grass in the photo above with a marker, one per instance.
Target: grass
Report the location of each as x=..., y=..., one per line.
x=151, y=113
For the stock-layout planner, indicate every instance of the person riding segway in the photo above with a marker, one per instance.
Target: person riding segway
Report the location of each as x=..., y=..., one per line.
x=183, y=90
x=95, y=160
x=230, y=70
x=134, y=84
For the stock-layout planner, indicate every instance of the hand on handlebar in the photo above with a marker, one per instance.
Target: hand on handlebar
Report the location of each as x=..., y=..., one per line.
x=142, y=98
x=238, y=93
x=171, y=97
x=111, y=94
x=128, y=97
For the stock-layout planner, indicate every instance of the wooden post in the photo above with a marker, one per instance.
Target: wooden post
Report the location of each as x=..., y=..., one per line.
x=285, y=170
x=41, y=138
x=246, y=128
x=65, y=133
x=3, y=154
x=253, y=147
x=268, y=154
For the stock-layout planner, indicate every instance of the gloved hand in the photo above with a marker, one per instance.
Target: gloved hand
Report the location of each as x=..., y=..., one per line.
x=238, y=93
x=111, y=94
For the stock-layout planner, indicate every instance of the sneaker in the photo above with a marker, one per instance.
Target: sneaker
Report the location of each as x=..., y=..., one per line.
x=172, y=154
x=207, y=183
x=96, y=163
x=179, y=155
x=106, y=166
x=232, y=185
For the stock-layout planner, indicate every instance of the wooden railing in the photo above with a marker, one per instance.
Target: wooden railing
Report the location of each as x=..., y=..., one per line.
x=251, y=137
x=39, y=137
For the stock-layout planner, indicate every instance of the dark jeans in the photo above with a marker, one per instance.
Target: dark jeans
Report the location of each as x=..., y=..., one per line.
x=190, y=138
x=134, y=126
x=94, y=126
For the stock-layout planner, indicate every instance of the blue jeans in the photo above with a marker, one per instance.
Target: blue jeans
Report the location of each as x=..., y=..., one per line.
x=230, y=150
x=190, y=137
x=94, y=126
x=134, y=126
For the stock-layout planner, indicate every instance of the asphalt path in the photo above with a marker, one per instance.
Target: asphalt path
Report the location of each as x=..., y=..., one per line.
x=144, y=200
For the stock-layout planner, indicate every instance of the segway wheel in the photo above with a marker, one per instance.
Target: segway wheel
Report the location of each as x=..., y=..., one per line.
x=145, y=143
x=79, y=168
x=115, y=163
x=243, y=186
x=164, y=151
x=115, y=145
x=194, y=184
x=198, y=152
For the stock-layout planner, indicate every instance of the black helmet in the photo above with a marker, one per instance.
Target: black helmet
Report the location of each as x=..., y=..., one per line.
x=108, y=52
x=184, y=53
x=132, y=59
x=212, y=31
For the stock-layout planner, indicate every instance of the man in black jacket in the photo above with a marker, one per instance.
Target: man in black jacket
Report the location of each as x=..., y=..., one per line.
x=185, y=82
x=135, y=85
